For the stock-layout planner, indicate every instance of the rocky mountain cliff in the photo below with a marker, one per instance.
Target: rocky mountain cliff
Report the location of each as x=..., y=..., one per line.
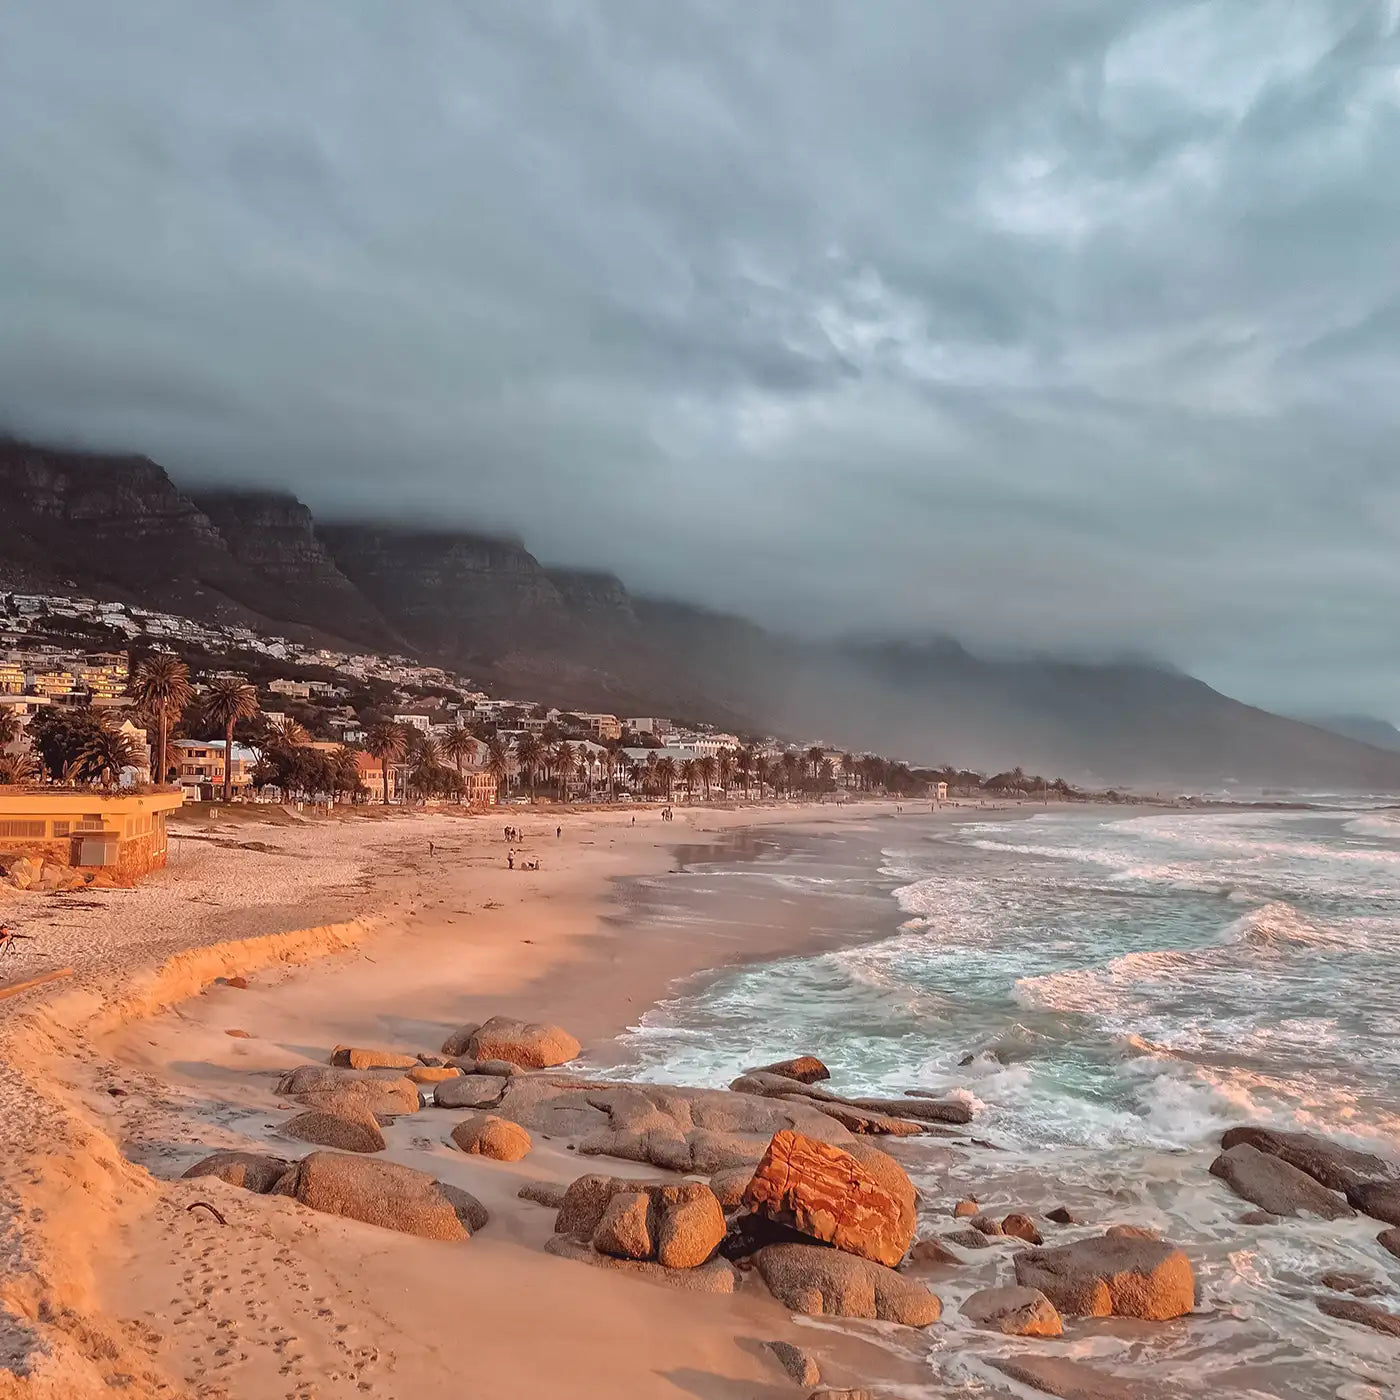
x=118, y=527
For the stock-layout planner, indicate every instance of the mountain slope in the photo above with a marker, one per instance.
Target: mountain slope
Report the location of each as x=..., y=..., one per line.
x=118, y=527
x=1363, y=728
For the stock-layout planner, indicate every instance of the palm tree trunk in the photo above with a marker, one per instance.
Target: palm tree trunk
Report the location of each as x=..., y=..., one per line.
x=228, y=762
x=160, y=775
x=384, y=774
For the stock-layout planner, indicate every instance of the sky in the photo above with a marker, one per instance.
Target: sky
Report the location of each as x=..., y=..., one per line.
x=1072, y=326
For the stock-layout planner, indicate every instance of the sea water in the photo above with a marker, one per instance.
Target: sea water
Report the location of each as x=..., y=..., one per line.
x=1109, y=991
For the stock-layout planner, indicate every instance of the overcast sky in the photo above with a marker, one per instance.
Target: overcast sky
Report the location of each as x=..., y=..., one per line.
x=1066, y=324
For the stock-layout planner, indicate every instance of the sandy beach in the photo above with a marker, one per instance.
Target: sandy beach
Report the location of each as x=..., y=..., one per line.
x=374, y=931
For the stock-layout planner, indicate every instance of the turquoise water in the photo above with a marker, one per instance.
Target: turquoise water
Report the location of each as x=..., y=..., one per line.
x=1111, y=992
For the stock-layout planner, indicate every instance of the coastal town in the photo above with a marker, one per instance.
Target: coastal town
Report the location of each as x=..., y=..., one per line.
x=308, y=724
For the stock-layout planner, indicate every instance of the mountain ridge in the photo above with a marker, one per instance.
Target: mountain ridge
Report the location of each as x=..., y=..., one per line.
x=116, y=525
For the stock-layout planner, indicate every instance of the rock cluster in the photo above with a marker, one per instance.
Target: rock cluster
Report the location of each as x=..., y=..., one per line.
x=1118, y=1275
x=53, y=877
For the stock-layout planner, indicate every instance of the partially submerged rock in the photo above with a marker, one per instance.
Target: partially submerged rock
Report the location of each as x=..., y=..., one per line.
x=816, y=1281
x=385, y=1194
x=354, y=1130
x=1062, y=1215
x=258, y=1172
x=1366, y=1314
x=354, y=1057
x=524, y=1043
x=543, y=1193
x=801, y=1366
x=1328, y=1162
x=1359, y=1285
x=1276, y=1185
x=1021, y=1227
x=485, y=1135
x=826, y=1193
x=1123, y=1276
x=1378, y=1199
x=469, y=1091
x=805, y=1069
x=1390, y=1240
x=1072, y=1380
x=1018, y=1312
x=968, y=1238
x=931, y=1252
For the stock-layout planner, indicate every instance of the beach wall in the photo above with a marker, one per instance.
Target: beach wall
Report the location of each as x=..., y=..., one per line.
x=65, y=1185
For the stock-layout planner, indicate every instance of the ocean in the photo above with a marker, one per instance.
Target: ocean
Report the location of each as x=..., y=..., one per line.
x=1110, y=990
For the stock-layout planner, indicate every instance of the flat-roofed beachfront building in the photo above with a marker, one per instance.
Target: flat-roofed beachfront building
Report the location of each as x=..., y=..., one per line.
x=88, y=830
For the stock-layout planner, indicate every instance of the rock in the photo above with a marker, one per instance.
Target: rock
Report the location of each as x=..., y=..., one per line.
x=432, y=1074
x=930, y=1251
x=523, y=1043
x=457, y=1042
x=819, y=1282
x=805, y=1069
x=469, y=1091
x=1275, y=1185
x=1378, y=1199
x=826, y=1393
x=1071, y=1380
x=431, y=1061
x=352, y=1057
x=1368, y=1315
x=1021, y=1227
x=729, y=1185
x=1259, y=1217
x=1114, y=1275
x=383, y=1194
x=968, y=1239
x=800, y=1365
x=585, y=1200
x=927, y=1110
x=499, y=1069
x=383, y=1091
x=1357, y=1284
x=1062, y=1215
x=717, y=1276
x=826, y=1193
x=543, y=1193
x=1390, y=1239
x=1132, y=1232
x=351, y=1131
x=485, y=1135
x=863, y=1120
x=986, y=1225
x=253, y=1171
x=625, y=1231
x=965, y=1210
x=1335, y=1166
x=1018, y=1312
x=691, y=1227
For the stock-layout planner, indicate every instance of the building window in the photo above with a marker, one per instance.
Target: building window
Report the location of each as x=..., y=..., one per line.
x=62, y=828
x=21, y=828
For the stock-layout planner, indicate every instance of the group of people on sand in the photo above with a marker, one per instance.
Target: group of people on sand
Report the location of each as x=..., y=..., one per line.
x=524, y=864
x=667, y=815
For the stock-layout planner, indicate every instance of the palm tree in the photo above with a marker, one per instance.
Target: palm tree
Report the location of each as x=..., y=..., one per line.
x=611, y=760
x=584, y=763
x=666, y=774
x=724, y=768
x=458, y=745
x=10, y=728
x=814, y=759
x=498, y=760
x=705, y=771
x=386, y=743
x=689, y=776
x=291, y=732
x=761, y=773
x=791, y=768
x=527, y=757
x=562, y=761
x=227, y=702
x=848, y=765
x=161, y=687
x=104, y=755
x=16, y=768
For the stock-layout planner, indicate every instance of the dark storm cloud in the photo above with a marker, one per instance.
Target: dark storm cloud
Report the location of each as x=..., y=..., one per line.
x=1065, y=325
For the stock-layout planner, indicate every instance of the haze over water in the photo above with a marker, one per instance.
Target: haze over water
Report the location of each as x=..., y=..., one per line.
x=1113, y=990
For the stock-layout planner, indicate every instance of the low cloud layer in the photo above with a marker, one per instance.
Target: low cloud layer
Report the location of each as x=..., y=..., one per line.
x=1069, y=325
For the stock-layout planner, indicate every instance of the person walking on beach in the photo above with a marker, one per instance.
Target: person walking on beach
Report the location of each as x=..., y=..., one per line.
x=558, y=832
x=510, y=860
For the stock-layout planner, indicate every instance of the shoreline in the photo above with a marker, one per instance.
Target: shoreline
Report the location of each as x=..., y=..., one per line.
x=562, y=914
